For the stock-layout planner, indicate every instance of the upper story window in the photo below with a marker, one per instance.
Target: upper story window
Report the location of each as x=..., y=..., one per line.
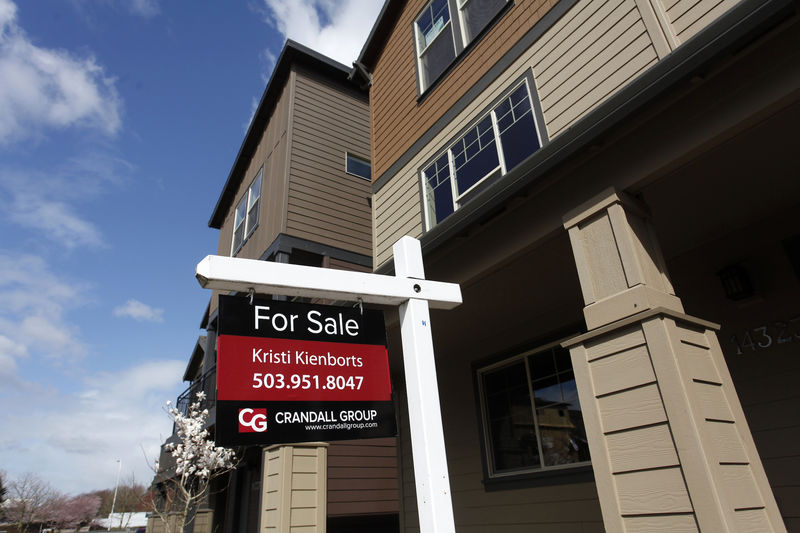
x=531, y=417
x=357, y=166
x=444, y=28
x=497, y=142
x=245, y=218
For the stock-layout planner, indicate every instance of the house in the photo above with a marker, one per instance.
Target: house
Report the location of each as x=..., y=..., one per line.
x=614, y=185
x=298, y=193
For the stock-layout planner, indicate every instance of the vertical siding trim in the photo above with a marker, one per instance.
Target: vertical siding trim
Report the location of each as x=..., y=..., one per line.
x=289, y=138
x=658, y=27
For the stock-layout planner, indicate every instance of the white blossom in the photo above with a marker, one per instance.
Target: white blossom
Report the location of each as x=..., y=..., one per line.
x=195, y=455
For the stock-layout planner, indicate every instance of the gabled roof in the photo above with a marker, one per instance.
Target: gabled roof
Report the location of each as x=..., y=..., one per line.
x=292, y=53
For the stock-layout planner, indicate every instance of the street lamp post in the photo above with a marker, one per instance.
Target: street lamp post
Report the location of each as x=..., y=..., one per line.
x=116, y=486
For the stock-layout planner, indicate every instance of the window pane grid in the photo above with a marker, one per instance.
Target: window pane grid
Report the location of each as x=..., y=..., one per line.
x=513, y=111
x=245, y=217
x=473, y=143
x=431, y=23
x=508, y=130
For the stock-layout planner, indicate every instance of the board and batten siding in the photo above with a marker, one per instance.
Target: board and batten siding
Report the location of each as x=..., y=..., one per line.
x=594, y=50
x=325, y=204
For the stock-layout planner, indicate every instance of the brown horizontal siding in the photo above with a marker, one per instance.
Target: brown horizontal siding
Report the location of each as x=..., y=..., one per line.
x=324, y=203
x=345, y=218
x=338, y=264
x=270, y=154
x=362, y=477
x=397, y=119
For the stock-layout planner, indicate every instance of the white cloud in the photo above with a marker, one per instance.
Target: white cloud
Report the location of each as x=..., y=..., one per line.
x=112, y=416
x=144, y=8
x=47, y=201
x=54, y=219
x=335, y=28
x=32, y=314
x=47, y=88
x=139, y=311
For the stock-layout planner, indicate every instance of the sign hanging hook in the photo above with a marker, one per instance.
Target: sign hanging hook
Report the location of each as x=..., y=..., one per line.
x=360, y=305
x=251, y=292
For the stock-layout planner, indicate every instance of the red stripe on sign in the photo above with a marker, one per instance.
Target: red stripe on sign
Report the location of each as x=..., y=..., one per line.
x=262, y=369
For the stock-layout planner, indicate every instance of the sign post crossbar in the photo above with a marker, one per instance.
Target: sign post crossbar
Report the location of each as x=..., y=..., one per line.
x=413, y=294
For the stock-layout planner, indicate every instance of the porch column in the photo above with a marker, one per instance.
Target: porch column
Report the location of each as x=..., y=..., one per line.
x=670, y=446
x=294, y=488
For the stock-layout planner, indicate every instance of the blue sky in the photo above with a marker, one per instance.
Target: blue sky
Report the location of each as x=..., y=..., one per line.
x=119, y=123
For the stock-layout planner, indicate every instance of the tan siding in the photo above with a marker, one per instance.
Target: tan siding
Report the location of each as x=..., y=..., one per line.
x=362, y=477
x=637, y=450
x=588, y=58
x=324, y=203
x=688, y=17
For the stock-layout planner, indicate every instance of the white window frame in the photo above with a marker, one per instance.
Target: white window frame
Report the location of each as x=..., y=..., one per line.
x=484, y=414
x=424, y=82
x=457, y=197
x=348, y=156
x=459, y=36
x=248, y=200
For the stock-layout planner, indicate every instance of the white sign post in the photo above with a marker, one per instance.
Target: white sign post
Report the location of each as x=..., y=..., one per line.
x=409, y=290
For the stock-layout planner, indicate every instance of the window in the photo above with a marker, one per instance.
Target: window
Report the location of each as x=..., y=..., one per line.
x=531, y=416
x=476, y=14
x=439, y=37
x=357, y=167
x=498, y=142
x=245, y=219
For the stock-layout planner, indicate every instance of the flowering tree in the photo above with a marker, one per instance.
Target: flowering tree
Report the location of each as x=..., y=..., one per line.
x=27, y=501
x=65, y=512
x=197, y=462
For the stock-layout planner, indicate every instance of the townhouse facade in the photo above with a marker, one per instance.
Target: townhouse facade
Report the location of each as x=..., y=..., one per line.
x=614, y=184
x=298, y=192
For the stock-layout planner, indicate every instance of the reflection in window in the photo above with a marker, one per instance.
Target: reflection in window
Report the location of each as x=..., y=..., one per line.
x=434, y=37
x=357, y=166
x=245, y=218
x=532, y=417
x=476, y=14
x=444, y=29
x=497, y=143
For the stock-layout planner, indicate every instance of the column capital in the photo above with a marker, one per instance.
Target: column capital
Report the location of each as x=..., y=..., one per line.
x=620, y=266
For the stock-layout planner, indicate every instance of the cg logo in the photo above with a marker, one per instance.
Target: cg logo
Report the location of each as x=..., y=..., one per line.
x=252, y=420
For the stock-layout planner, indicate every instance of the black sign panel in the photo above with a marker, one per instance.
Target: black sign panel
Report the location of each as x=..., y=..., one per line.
x=291, y=372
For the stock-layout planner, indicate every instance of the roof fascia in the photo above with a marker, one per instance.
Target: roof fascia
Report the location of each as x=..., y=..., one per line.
x=380, y=32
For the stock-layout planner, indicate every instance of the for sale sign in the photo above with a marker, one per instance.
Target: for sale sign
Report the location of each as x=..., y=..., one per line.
x=291, y=372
